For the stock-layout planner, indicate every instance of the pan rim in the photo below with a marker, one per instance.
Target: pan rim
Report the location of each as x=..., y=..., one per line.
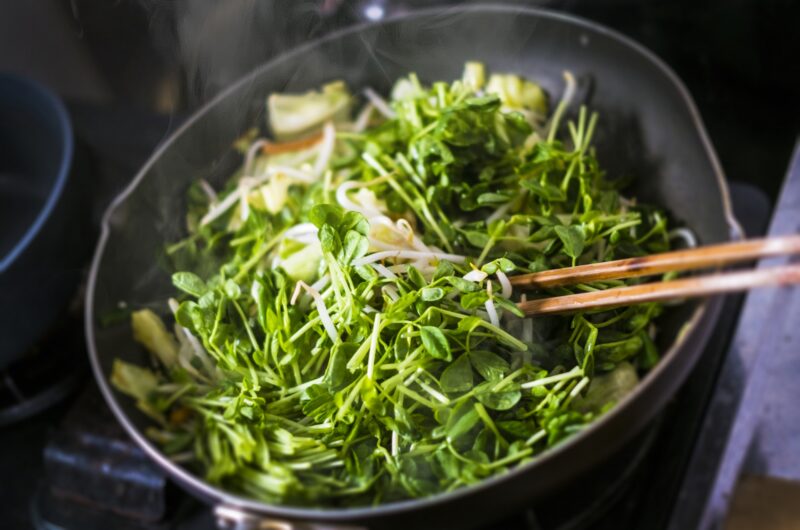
x=704, y=310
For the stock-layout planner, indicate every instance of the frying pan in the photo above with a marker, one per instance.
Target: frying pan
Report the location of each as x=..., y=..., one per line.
x=648, y=127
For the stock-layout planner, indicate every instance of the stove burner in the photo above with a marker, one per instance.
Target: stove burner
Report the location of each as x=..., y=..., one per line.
x=95, y=476
x=46, y=375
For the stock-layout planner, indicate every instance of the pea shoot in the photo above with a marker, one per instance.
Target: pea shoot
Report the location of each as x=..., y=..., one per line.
x=345, y=332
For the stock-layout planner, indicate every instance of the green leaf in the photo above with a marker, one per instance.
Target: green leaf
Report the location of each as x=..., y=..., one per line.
x=355, y=246
x=461, y=421
x=435, y=342
x=318, y=403
x=355, y=221
x=416, y=277
x=443, y=270
x=618, y=351
x=232, y=289
x=189, y=282
x=329, y=240
x=503, y=400
x=184, y=314
x=473, y=300
x=502, y=264
x=608, y=388
x=326, y=214
x=572, y=239
x=491, y=366
x=468, y=324
x=516, y=428
x=465, y=286
x=431, y=294
x=458, y=376
x=490, y=198
x=337, y=376
x=476, y=239
x=547, y=192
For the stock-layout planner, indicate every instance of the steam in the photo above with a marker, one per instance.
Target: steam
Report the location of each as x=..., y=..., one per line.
x=218, y=42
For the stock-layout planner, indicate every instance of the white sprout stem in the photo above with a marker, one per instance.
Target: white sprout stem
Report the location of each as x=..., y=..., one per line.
x=404, y=227
x=505, y=283
x=362, y=120
x=245, y=185
x=379, y=103
x=527, y=324
x=379, y=245
x=575, y=372
x=422, y=266
x=251, y=154
x=220, y=208
x=685, y=234
x=394, y=443
x=306, y=239
x=498, y=213
x=325, y=149
x=475, y=275
x=345, y=202
x=322, y=283
x=407, y=254
x=209, y=191
x=301, y=229
x=536, y=437
x=294, y=173
x=244, y=206
x=383, y=271
x=373, y=345
x=579, y=387
x=324, y=316
x=391, y=292
x=490, y=309
x=197, y=348
x=435, y=394
x=413, y=377
x=566, y=98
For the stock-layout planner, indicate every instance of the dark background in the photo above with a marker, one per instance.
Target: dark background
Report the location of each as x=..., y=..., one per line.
x=739, y=58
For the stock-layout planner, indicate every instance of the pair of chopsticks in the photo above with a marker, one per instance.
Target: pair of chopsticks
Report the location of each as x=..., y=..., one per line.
x=680, y=260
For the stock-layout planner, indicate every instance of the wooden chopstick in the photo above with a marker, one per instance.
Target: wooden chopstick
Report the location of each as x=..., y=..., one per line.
x=678, y=260
x=695, y=287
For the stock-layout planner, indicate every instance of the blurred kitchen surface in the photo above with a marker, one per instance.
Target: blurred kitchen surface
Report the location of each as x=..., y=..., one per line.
x=145, y=64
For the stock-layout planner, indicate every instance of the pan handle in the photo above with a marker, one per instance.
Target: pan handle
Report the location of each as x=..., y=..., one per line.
x=234, y=518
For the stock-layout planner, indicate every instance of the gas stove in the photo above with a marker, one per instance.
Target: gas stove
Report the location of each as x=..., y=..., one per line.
x=67, y=464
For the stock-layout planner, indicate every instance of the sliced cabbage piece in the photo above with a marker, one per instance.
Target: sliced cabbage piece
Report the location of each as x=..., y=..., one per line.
x=609, y=389
x=138, y=383
x=474, y=75
x=303, y=265
x=293, y=115
x=272, y=195
x=149, y=331
x=517, y=93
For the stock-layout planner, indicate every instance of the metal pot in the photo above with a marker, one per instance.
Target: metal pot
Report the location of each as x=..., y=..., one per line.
x=648, y=127
x=44, y=229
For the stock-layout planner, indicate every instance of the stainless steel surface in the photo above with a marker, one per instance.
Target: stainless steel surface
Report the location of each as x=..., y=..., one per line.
x=233, y=518
x=754, y=407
